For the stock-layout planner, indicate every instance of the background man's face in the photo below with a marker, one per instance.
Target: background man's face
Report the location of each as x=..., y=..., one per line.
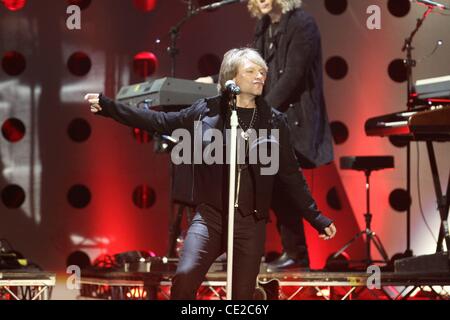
x=265, y=6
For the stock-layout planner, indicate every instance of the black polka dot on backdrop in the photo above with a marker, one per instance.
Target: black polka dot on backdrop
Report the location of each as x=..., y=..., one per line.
x=79, y=196
x=336, y=68
x=13, y=130
x=144, y=196
x=336, y=7
x=78, y=258
x=13, y=63
x=79, y=64
x=399, y=141
x=333, y=200
x=13, y=196
x=397, y=70
x=79, y=130
x=83, y=4
x=399, y=8
x=339, y=131
x=399, y=200
x=208, y=64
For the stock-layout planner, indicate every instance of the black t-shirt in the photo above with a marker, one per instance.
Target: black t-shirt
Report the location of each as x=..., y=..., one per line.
x=247, y=197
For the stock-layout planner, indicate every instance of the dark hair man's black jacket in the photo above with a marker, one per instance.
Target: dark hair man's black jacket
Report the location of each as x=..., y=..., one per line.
x=296, y=85
x=210, y=182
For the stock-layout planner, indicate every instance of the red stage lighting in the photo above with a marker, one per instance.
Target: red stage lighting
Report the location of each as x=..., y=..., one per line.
x=141, y=136
x=145, y=64
x=137, y=293
x=14, y=5
x=145, y=5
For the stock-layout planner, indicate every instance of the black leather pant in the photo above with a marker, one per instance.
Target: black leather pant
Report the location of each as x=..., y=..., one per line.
x=206, y=240
x=290, y=226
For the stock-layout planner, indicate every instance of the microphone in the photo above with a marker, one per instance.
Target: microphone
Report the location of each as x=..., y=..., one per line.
x=433, y=4
x=217, y=5
x=231, y=87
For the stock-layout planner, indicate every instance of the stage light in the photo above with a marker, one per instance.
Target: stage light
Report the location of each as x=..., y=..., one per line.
x=145, y=64
x=141, y=136
x=137, y=293
x=145, y=5
x=14, y=5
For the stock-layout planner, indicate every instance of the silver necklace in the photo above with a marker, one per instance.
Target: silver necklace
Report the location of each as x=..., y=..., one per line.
x=245, y=134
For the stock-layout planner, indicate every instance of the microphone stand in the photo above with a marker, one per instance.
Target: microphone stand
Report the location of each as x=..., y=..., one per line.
x=411, y=99
x=175, y=30
x=173, y=52
x=174, y=33
x=231, y=195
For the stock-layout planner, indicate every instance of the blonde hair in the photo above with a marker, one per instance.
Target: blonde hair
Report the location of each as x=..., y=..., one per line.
x=231, y=61
x=285, y=5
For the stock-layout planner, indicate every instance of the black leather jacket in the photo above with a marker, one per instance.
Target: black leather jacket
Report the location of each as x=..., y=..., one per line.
x=210, y=182
x=296, y=85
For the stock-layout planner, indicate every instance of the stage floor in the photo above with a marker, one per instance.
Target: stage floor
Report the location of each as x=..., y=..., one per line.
x=312, y=285
x=26, y=285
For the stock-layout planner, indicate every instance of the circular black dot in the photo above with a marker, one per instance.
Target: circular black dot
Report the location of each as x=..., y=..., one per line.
x=340, y=262
x=397, y=70
x=83, y=4
x=336, y=6
x=399, y=141
x=399, y=8
x=141, y=136
x=78, y=258
x=13, y=63
x=79, y=130
x=79, y=196
x=339, y=131
x=13, y=196
x=79, y=64
x=13, y=130
x=399, y=200
x=208, y=64
x=333, y=200
x=336, y=68
x=144, y=196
